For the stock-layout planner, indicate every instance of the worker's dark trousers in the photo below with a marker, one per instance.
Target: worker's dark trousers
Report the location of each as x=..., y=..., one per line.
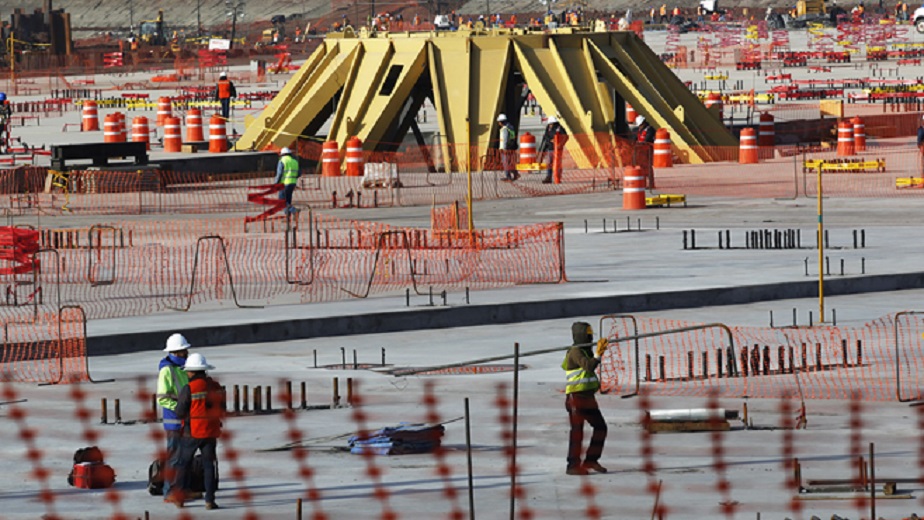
x=583, y=407
x=225, y=108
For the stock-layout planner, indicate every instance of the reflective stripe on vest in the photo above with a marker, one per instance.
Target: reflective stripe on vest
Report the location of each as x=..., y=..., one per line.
x=289, y=169
x=579, y=380
x=224, y=89
x=170, y=420
x=204, y=409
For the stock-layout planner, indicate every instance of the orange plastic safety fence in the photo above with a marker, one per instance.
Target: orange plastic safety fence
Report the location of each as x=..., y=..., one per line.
x=136, y=267
x=453, y=216
x=823, y=362
x=45, y=347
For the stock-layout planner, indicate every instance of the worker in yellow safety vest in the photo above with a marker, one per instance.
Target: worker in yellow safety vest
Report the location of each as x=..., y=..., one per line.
x=287, y=174
x=579, y=365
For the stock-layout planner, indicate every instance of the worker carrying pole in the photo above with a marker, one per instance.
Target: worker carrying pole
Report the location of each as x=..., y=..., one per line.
x=580, y=364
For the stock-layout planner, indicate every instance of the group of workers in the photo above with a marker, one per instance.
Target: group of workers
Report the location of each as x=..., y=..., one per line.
x=193, y=406
x=552, y=144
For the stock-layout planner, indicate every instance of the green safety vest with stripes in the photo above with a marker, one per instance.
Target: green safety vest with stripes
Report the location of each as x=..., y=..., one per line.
x=289, y=170
x=579, y=380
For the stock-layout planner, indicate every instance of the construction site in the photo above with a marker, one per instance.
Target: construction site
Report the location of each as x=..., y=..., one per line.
x=391, y=344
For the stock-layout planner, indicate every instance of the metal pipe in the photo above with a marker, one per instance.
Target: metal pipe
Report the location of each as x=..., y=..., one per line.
x=468, y=457
x=513, y=440
x=633, y=337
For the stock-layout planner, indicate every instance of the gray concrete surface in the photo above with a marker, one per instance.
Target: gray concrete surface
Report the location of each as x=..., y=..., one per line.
x=647, y=273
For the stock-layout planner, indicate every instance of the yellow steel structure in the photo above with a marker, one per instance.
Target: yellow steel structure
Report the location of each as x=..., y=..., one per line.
x=371, y=85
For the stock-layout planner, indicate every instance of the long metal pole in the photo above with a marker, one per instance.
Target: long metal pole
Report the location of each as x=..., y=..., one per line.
x=821, y=253
x=513, y=440
x=468, y=456
x=468, y=169
x=872, y=482
x=412, y=371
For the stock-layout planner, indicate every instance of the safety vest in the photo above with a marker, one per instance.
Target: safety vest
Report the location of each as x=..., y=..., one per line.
x=289, y=170
x=205, y=408
x=169, y=381
x=507, y=134
x=224, y=89
x=579, y=380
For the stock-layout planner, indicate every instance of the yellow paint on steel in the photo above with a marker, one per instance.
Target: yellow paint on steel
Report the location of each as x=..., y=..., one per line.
x=573, y=74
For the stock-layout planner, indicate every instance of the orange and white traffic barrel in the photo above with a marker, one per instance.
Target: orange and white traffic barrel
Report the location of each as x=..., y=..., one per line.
x=633, y=188
x=631, y=114
x=123, y=132
x=766, y=135
x=528, y=154
x=747, y=151
x=714, y=99
x=140, y=131
x=111, y=129
x=663, y=157
x=194, y=126
x=173, y=140
x=330, y=159
x=218, y=134
x=90, y=121
x=354, y=157
x=859, y=134
x=164, y=110
x=845, y=138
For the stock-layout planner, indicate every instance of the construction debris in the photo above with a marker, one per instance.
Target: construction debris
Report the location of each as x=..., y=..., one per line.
x=402, y=439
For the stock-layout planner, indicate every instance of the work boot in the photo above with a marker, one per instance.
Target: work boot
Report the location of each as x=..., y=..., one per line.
x=594, y=466
x=175, y=498
x=546, y=181
x=211, y=505
x=576, y=470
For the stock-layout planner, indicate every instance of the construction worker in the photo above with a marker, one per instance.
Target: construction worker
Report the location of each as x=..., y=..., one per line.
x=579, y=365
x=553, y=142
x=663, y=13
x=223, y=94
x=199, y=405
x=287, y=173
x=6, y=112
x=507, y=144
x=170, y=379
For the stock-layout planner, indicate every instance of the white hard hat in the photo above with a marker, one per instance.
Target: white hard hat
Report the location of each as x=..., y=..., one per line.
x=176, y=342
x=502, y=118
x=285, y=151
x=639, y=120
x=552, y=119
x=196, y=362
x=223, y=75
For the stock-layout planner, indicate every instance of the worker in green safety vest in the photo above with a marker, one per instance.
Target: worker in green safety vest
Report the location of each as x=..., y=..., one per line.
x=579, y=365
x=287, y=174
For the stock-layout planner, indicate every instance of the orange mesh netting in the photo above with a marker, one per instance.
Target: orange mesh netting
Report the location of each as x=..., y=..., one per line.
x=822, y=362
x=43, y=347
